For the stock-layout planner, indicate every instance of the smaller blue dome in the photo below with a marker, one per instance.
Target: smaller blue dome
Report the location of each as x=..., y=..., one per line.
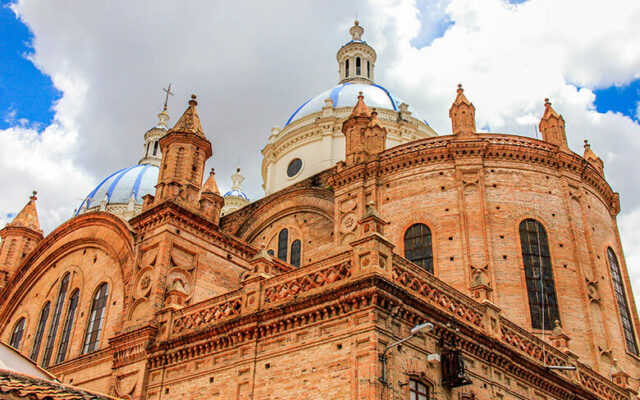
x=236, y=193
x=138, y=181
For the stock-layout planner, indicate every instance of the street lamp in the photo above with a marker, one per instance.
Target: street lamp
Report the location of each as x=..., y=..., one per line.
x=383, y=357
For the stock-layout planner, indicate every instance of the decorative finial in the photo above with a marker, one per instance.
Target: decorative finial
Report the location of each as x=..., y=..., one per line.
x=356, y=31
x=546, y=101
x=33, y=196
x=238, y=169
x=169, y=93
x=193, y=101
x=360, y=95
x=586, y=143
x=460, y=89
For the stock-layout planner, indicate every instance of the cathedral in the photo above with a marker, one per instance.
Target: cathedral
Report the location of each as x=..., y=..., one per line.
x=385, y=261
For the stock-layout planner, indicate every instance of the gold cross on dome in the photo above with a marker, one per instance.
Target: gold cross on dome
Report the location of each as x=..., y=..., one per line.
x=166, y=99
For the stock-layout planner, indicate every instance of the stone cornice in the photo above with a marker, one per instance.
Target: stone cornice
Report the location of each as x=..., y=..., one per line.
x=170, y=211
x=483, y=147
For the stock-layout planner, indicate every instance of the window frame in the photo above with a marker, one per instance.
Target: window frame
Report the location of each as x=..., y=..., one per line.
x=21, y=323
x=40, y=328
x=358, y=66
x=414, y=388
x=67, y=328
x=89, y=345
x=622, y=302
x=529, y=276
x=430, y=249
x=283, y=244
x=295, y=256
x=346, y=68
x=55, y=320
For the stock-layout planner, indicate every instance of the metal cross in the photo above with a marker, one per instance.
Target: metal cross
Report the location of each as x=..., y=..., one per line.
x=169, y=92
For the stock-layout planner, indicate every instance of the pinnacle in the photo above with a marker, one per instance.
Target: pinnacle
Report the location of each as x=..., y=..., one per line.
x=190, y=121
x=360, y=108
x=461, y=98
x=28, y=216
x=548, y=110
x=210, y=185
x=374, y=121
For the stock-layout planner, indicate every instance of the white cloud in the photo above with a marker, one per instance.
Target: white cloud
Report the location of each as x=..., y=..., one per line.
x=264, y=59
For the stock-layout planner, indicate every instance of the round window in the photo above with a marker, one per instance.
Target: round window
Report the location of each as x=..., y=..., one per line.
x=294, y=167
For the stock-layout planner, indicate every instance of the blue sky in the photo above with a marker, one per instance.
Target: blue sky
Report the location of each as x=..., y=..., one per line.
x=25, y=92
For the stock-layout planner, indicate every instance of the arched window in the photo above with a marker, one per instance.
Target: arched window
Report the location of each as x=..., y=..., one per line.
x=357, y=65
x=295, y=253
x=96, y=319
x=148, y=145
x=283, y=243
x=368, y=69
x=623, y=306
x=44, y=314
x=68, y=326
x=55, y=321
x=346, y=69
x=417, y=246
x=543, y=303
x=155, y=147
x=16, y=335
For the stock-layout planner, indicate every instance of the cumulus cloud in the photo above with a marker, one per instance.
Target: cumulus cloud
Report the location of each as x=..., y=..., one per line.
x=253, y=63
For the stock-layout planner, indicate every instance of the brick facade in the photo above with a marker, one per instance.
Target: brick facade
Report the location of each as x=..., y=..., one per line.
x=201, y=307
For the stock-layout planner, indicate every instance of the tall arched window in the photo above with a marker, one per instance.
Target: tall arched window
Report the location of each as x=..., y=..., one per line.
x=155, y=147
x=283, y=243
x=55, y=321
x=543, y=303
x=42, y=323
x=623, y=306
x=368, y=69
x=357, y=65
x=417, y=246
x=346, y=69
x=16, y=335
x=96, y=319
x=295, y=253
x=68, y=326
x=148, y=146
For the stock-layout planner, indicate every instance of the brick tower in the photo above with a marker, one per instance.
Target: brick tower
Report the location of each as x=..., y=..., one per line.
x=552, y=127
x=462, y=114
x=185, y=150
x=19, y=237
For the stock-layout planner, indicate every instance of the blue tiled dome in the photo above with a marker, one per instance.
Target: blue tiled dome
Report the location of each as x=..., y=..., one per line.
x=346, y=95
x=236, y=193
x=138, y=180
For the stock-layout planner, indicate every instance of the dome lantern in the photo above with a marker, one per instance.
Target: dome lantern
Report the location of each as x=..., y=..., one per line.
x=356, y=59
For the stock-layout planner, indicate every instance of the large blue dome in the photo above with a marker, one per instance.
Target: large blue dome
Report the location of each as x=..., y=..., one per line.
x=138, y=181
x=346, y=95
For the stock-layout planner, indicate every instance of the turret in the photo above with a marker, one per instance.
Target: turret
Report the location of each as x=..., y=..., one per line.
x=552, y=127
x=356, y=59
x=235, y=199
x=462, y=114
x=19, y=237
x=365, y=136
x=151, y=151
x=185, y=150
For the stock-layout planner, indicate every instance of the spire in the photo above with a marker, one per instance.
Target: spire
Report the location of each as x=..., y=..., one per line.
x=190, y=121
x=360, y=109
x=552, y=127
x=151, y=150
x=237, y=180
x=356, y=59
x=462, y=114
x=210, y=186
x=28, y=216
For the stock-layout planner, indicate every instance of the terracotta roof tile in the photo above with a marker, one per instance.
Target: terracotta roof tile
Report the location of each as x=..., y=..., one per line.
x=28, y=387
